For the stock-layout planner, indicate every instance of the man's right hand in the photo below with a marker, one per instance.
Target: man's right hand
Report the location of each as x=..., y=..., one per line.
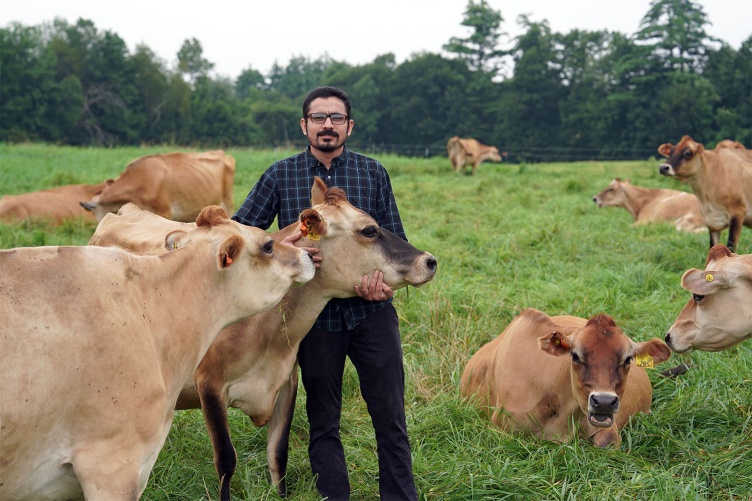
x=312, y=251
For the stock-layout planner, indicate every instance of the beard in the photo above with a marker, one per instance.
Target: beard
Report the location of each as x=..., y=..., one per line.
x=327, y=146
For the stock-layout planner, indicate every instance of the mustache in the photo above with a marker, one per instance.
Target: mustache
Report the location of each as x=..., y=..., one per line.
x=332, y=133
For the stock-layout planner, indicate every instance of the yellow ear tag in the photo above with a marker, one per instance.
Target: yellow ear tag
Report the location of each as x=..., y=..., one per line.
x=305, y=229
x=708, y=277
x=644, y=361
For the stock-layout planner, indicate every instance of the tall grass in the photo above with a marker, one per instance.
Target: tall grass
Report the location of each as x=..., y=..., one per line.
x=511, y=237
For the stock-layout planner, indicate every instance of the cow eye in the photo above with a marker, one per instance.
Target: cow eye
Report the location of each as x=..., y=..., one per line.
x=576, y=358
x=627, y=361
x=269, y=247
x=697, y=297
x=369, y=231
x=687, y=153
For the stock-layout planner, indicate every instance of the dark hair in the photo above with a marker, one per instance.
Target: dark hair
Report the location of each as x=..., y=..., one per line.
x=326, y=91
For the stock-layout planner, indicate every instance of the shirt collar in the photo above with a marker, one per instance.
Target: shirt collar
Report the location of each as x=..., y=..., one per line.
x=312, y=161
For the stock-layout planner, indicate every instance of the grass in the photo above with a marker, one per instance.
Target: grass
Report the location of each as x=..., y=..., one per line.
x=511, y=237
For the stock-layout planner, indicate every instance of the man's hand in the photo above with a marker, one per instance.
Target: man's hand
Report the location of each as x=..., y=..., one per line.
x=312, y=251
x=373, y=288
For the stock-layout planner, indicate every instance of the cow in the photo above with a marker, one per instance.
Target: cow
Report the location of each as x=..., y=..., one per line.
x=252, y=364
x=54, y=205
x=467, y=151
x=174, y=185
x=719, y=314
x=722, y=181
x=548, y=374
x=97, y=343
x=647, y=205
x=736, y=147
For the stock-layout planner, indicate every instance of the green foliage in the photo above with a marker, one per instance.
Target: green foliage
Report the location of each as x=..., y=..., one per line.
x=511, y=237
x=479, y=50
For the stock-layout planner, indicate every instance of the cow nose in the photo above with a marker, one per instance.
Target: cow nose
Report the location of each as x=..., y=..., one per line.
x=432, y=263
x=595, y=199
x=604, y=402
x=664, y=169
x=668, y=339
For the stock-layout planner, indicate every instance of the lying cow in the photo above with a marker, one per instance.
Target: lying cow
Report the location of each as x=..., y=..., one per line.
x=252, y=364
x=467, y=151
x=54, y=205
x=97, y=343
x=719, y=314
x=722, y=181
x=647, y=205
x=174, y=185
x=544, y=373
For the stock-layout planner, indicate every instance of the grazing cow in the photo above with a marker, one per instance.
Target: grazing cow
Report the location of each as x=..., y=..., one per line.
x=252, y=364
x=97, y=343
x=722, y=181
x=54, y=205
x=648, y=205
x=719, y=314
x=543, y=374
x=468, y=151
x=174, y=185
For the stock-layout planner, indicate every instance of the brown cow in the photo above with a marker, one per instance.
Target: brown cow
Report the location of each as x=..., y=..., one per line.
x=174, y=185
x=89, y=383
x=647, y=205
x=722, y=181
x=544, y=374
x=252, y=365
x=467, y=151
x=736, y=147
x=719, y=314
x=54, y=205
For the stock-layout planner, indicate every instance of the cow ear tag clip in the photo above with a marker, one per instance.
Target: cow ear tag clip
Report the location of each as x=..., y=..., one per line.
x=644, y=361
x=708, y=277
x=307, y=231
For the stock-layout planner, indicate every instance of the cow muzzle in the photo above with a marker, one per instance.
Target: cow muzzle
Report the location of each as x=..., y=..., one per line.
x=666, y=170
x=601, y=409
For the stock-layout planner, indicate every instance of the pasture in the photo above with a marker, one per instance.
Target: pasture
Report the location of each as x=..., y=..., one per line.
x=511, y=237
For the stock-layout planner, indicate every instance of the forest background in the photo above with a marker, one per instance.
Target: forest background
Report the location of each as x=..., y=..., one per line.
x=542, y=96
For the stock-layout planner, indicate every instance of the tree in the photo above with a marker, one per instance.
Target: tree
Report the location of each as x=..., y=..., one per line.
x=249, y=81
x=479, y=49
x=675, y=31
x=191, y=61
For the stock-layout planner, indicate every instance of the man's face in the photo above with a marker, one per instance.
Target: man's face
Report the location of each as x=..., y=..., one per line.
x=327, y=136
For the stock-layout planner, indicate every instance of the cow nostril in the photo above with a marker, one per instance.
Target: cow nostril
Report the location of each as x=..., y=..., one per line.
x=431, y=263
x=595, y=199
x=668, y=339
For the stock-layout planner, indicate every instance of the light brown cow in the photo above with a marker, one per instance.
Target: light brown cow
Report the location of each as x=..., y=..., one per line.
x=543, y=374
x=648, y=205
x=174, y=185
x=719, y=314
x=467, y=151
x=736, y=147
x=54, y=205
x=722, y=181
x=97, y=343
x=252, y=364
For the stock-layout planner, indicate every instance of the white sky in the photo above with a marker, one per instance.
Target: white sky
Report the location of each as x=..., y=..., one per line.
x=237, y=34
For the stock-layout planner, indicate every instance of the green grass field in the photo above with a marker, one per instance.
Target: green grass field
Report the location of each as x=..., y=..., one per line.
x=511, y=237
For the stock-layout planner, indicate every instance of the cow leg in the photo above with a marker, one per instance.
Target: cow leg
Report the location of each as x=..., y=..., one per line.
x=475, y=167
x=735, y=229
x=278, y=432
x=715, y=237
x=214, y=408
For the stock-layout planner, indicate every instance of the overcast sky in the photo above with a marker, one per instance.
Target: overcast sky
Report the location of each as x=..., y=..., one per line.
x=236, y=35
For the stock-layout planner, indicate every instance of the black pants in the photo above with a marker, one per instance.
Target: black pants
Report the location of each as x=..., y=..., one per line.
x=375, y=350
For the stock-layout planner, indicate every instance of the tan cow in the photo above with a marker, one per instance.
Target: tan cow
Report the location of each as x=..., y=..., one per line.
x=729, y=143
x=722, y=181
x=467, y=151
x=647, y=205
x=174, y=185
x=719, y=314
x=54, y=205
x=543, y=374
x=97, y=343
x=252, y=365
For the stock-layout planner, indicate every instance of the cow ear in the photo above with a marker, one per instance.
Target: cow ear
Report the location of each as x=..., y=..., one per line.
x=229, y=251
x=317, y=191
x=173, y=239
x=665, y=149
x=704, y=282
x=211, y=215
x=654, y=348
x=556, y=343
x=312, y=225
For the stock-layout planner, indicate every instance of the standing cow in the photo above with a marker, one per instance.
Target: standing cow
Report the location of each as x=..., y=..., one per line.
x=722, y=181
x=550, y=375
x=96, y=345
x=468, y=151
x=173, y=185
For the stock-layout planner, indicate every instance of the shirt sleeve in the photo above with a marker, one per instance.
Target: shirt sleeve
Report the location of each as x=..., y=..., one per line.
x=391, y=218
x=261, y=206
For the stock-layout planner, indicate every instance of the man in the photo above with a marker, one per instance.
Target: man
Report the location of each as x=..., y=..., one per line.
x=364, y=328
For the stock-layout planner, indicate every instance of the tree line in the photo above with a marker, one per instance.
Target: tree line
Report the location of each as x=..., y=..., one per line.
x=542, y=96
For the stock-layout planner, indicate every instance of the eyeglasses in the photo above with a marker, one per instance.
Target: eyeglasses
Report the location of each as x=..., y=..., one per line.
x=320, y=118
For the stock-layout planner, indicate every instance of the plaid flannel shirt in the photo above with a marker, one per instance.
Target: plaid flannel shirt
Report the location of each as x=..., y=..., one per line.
x=284, y=191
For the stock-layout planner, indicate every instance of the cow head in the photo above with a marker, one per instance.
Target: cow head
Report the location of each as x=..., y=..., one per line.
x=493, y=154
x=352, y=245
x=602, y=356
x=719, y=314
x=612, y=195
x=682, y=160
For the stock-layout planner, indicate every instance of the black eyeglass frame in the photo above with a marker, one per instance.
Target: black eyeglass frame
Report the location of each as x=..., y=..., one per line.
x=330, y=116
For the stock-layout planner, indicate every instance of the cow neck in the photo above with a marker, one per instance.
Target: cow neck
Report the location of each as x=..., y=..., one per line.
x=637, y=198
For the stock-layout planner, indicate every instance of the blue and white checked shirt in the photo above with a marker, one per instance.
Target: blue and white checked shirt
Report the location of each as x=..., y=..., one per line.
x=284, y=191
